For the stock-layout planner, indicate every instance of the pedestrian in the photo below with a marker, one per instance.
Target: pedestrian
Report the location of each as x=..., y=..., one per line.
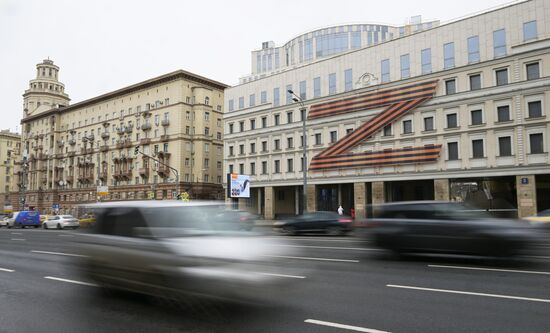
x=340, y=210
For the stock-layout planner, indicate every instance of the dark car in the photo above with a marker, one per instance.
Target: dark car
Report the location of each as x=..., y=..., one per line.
x=446, y=227
x=316, y=222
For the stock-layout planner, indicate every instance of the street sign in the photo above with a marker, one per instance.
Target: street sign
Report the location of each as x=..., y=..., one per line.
x=102, y=191
x=524, y=180
x=151, y=195
x=55, y=206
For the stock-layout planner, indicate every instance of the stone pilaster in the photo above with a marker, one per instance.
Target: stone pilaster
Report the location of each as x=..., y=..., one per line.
x=441, y=189
x=359, y=200
x=311, y=198
x=527, y=195
x=269, y=197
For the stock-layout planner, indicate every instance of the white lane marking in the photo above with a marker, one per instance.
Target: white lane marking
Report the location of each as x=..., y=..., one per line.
x=16, y=233
x=71, y=281
x=490, y=269
x=283, y=275
x=59, y=253
x=342, y=326
x=18, y=239
x=311, y=258
x=470, y=293
x=7, y=270
x=63, y=235
x=331, y=247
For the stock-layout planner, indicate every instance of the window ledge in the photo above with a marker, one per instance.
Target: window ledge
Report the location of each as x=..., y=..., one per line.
x=504, y=122
x=535, y=118
x=428, y=131
x=477, y=125
x=276, y=150
x=387, y=136
x=407, y=134
x=537, y=154
x=478, y=158
x=318, y=145
x=452, y=128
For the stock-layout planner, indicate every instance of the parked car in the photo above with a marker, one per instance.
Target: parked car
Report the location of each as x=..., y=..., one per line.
x=179, y=249
x=541, y=220
x=61, y=222
x=24, y=219
x=87, y=220
x=316, y=222
x=446, y=227
x=4, y=221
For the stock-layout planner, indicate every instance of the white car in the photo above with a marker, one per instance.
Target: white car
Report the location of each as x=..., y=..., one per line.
x=4, y=222
x=61, y=222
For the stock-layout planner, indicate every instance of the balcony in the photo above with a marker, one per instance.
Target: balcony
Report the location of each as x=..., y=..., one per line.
x=104, y=148
x=146, y=127
x=164, y=137
x=129, y=129
x=165, y=122
x=103, y=175
x=105, y=135
x=120, y=131
x=127, y=143
x=145, y=141
x=163, y=154
x=127, y=174
x=163, y=171
x=71, y=153
x=72, y=142
x=60, y=143
x=59, y=155
x=119, y=144
x=144, y=172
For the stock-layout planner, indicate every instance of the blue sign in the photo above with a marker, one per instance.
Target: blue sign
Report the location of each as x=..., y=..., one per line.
x=55, y=206
x=524, y=181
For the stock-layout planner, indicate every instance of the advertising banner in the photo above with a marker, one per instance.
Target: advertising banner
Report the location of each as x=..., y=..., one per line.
x=238, y=185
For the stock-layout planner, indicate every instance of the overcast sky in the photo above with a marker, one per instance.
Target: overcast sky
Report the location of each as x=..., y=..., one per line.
x=102, y=45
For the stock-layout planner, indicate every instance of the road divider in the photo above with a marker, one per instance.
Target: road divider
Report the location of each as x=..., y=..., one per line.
x=470, y=293
x=489, y=269
x=317, y=259
x=343, y=326
x=59, y=253
x=71, y=281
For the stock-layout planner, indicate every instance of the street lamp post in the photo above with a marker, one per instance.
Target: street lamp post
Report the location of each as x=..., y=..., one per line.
x=303, y=113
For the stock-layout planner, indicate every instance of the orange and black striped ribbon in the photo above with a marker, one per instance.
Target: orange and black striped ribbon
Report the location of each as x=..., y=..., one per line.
x=399, y=101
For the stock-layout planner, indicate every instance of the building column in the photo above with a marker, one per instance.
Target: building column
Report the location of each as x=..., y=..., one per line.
x=311, y=198
x=260, y=201
x=269, y=203
x=359, y=200
x=441, y=189
x=297, y=194
x=378, y=195
x=527, y=195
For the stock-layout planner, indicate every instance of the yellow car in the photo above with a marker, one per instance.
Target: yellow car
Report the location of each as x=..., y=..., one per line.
x=87, y=220
x=542, y=219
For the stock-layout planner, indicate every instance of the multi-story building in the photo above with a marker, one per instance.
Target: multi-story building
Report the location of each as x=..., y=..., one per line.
x=9, y=154
x=70, y=149
x=452, y=112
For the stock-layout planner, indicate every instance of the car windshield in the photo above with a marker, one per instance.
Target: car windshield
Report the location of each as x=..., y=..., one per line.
x=191, y=220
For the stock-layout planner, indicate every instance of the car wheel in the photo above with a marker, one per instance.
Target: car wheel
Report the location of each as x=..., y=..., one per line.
x=9, y=226
x=45, y=226
x=334, y=231
x=289, y=230
x=59, y=226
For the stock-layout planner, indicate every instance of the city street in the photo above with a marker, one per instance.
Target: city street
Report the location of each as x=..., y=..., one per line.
x=347, y=286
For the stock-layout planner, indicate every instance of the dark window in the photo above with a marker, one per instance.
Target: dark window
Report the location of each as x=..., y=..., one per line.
x=230, y=168
x=290, y=165
x=452, y=148
x=241, y=126
x=277, y=166
x=333, y=136
x=475, y=82
x=502, y=76
x=241, y=169
x=241, y=149
x=477, y=148
x=277, y=119
x=387, y=130
x=264, y=146
x=289, y=117
x=264, y=122
x=230, y=150
x=535, y=109
x=429, y=123
x=252, y=168
x=407, y=126
x=537, y=146
x=503, y=113
x=230, y=128
x=318, y=139
x=477, y=117
x=252, y=147
x=452, y=121
x=450, y=87
x=290, y=143
x=264, y=167
x=252, y=124
x=505, y=146
x=532, y=71
x=277, y=144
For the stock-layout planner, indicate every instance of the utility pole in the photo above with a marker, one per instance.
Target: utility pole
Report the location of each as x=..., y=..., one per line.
x=137, y=151
x=23, y=186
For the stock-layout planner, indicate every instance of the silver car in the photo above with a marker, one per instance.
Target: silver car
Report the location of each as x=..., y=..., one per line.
x=61, y=222
x=171, y=248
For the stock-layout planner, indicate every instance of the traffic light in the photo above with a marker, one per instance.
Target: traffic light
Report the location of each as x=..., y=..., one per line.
x=136, y=150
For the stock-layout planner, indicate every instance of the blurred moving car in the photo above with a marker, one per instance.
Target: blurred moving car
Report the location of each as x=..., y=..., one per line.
x=541, y=220
x=61, y=222
x=316, y=222
x=87, y=220
x=173, y=248
x=23, y=219
x=446, y=227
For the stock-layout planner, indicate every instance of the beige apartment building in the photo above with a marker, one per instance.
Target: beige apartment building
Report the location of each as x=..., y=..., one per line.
x=9, y=154
x=454, y=111
x=70, y=149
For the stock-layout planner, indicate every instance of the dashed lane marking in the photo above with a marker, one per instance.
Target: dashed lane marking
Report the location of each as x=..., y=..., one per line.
x=490, y=269
x=60, y=253
x=342, y=326
x=71, y=281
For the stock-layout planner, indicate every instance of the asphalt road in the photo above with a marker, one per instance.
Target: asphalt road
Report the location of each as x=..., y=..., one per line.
x=358, y=290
